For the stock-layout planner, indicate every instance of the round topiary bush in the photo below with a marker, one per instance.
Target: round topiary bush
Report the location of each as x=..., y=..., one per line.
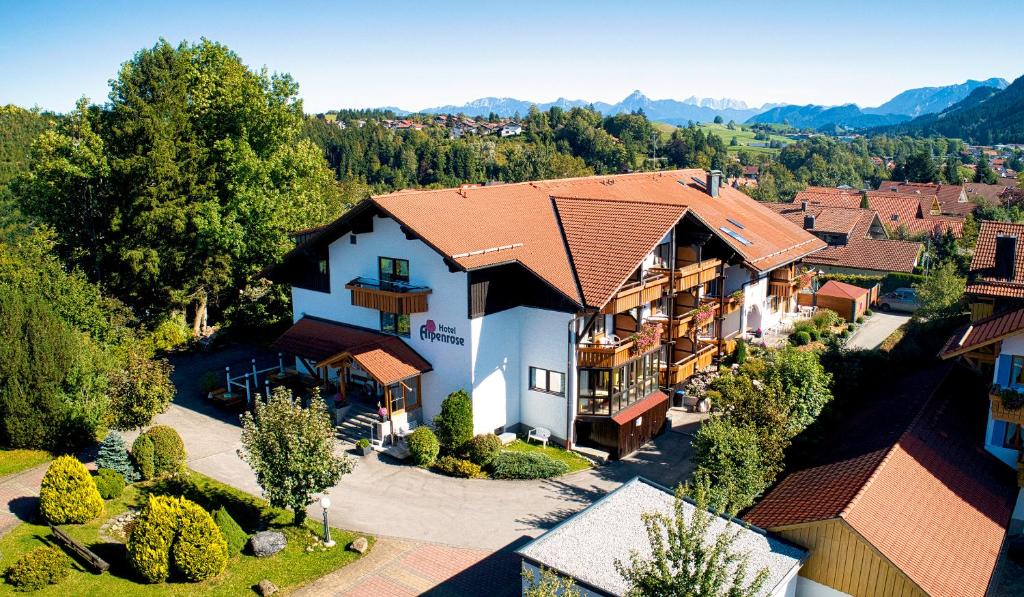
x=109, y=483
x=423, y=446
x=38, y=568
x=850, y=327
x=457, y=467
x=868, y=313
x=526, y=465
x=142, y=454
x=483, y=449
x=68, y=493
x=168, y=450
x=814, y=334
x=199, y=551
x=235, y=537
x=173, y=533
x=860, y=319
x=845, y=334
x=801, y=338
x=454, y=426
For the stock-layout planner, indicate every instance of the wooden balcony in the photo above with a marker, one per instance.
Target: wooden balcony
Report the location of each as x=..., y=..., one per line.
x=604, y=356
x=692, y=275
x=683, y=324
x=999, y=410
x=682, y=370
x=390, y=297
x=638, y=293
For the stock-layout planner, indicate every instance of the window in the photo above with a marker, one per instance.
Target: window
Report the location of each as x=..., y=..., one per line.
x=662, y=255
x=607, y=391
x=315, y=275
x=394, y=323
x=543, y=380
x=1006, y=435
x=1017, y=371
x=393, y=270
x=600, y=327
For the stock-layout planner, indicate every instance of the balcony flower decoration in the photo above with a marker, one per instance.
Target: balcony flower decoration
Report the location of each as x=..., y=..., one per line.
x=1012, y=399
x=804, y=281
x=703, y=314
x=647, y=338
x=736, y=297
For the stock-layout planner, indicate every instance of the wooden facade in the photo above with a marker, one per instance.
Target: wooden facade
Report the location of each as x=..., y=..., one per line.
x=1001, y=413
x=682, y=370
x=637, y=293
x=623, y=435
x=840, y=558
x=605, y=356
x=403, y=303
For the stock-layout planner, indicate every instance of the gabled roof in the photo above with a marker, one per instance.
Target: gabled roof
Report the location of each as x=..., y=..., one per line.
x=980, y=278
x=948, y=195
x=895, y=210
x=387, y=358
x=842, y=290
x=881, y=255
x=933, y=503
x=607, y=239
x=827, y=219
x=984, y=332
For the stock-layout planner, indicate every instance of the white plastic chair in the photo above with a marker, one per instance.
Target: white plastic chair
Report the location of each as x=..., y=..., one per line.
x=540, y=434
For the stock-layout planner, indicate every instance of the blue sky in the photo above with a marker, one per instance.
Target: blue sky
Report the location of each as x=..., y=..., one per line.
x=418, y=54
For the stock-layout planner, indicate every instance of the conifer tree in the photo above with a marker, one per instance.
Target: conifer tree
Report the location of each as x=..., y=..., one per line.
x=113, y=454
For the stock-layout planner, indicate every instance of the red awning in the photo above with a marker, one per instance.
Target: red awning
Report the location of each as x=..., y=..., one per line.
x=634, y=410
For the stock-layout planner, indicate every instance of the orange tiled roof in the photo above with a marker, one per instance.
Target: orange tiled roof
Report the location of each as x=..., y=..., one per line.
x=838, y=220
x=948, y=195
x=842, y=289
x=895, y=210
x=933, y=503
x=387, y=358
x=980, y=280
x=607, y=239
x=983, y=332
x=482, y=226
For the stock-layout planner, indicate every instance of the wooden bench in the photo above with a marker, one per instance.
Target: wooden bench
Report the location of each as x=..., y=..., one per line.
x=95, y=562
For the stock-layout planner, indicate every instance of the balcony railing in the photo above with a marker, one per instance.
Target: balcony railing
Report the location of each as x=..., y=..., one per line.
x=693, y=274
x=1001, y=410
x=682, y=370
x=634, y=294
x=388, y=296
x=683, y=324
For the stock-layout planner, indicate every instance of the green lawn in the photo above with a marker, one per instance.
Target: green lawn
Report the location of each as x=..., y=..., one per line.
x=292, y=567
x=574, y=461
x=743, y=133
x=15, y=461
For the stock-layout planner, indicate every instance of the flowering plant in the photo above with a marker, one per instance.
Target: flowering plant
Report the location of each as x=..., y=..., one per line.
x=647, y=338
x=736, y=296
x=703, y=314
x=804, y=281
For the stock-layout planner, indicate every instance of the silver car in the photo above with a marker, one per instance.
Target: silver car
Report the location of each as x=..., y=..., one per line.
x=901, y=299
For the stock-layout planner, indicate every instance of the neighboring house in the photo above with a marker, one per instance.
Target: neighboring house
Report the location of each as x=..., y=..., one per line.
x=511, y=129
x=987, y=194
x=858, y=242
x=531, y=297
x=995, y=280
x=751, y=172
x=585, y=547
x=905, y=503
x=847, y=300
x=952, y=199
x=900, y=213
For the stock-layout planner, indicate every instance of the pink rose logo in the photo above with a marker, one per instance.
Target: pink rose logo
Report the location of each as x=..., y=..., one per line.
x=431, y=326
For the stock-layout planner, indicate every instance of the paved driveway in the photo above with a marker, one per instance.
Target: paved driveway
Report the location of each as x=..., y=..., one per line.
x=387, y=498
x=876, y=329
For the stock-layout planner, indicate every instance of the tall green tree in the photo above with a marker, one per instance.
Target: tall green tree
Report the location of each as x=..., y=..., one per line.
x=941, y=293
x=983, y=172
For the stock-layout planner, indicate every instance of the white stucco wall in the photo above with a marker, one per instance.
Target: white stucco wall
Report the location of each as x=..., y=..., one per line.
x=545, y=344
x=447, y=303
x=1014, y=345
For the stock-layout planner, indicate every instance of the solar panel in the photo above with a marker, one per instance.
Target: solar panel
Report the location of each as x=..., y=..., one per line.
x=735, y=235
x=735, y=223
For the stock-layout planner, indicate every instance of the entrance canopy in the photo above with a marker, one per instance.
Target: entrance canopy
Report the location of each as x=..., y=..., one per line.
x=386, y=358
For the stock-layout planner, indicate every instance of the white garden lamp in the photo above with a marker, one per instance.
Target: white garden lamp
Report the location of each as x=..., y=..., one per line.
x=325, y=503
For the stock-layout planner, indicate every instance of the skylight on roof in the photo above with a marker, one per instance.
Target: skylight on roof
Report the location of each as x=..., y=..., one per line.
x=735, y=235
x=735, y=223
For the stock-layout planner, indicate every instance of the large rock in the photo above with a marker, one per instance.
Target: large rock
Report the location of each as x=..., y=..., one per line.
x=266, y=588
x=359, y=545
x=267, y=543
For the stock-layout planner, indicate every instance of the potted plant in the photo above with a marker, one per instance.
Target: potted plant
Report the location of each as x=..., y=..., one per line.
x=647, y=338
x=363, y=447
x=736, y=297
x=703, y=314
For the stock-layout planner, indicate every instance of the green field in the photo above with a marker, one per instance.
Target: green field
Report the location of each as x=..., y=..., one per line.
x=743, y=133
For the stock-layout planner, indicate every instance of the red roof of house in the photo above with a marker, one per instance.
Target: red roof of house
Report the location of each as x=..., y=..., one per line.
x=948, y=195
x=387, y=358
x=896, y=210
x=981, y=280
x=842, y=290
x=638, y=408
x=933, y=503
x=983, y=332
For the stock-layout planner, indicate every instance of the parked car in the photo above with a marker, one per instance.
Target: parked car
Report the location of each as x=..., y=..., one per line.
x=901, y=299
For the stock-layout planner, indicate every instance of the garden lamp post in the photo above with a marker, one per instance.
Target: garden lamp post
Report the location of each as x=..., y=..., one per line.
x=325, y=503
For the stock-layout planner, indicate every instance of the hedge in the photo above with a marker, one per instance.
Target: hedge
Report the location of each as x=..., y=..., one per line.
x=483, y=449
x=423, y=446
x=68, y=493
x=527, y=465
x=109, y=483
x=168, y=450
x=173, y=533
x=457, y=467
x=233, y=534
x=142, y=454
x=888, y=282
x=454, y=426
x=38, y=568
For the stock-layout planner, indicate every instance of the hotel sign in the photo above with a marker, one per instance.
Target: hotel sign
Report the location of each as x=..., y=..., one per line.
x=436, y=332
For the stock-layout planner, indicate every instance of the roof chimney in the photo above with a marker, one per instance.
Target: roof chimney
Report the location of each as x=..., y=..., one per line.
x=1006, y=256
x=809, y=222
x=803, y=206
x=714, y=182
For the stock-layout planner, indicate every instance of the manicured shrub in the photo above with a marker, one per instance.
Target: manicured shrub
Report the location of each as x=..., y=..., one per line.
x=109, y=483
x=233, y=534
x=850, y=327
x=825, y=318
x=868, y=313
x=199, y=551
x=814, y=334
x=483, y=449
x=114, y=455
x=526, y=465
x=173, y=533
x=168, y=450
x=860, y=319
x=845, y=334
x=454, y=426
x=457, y=467
x=740, y=356
x=38, y=568
x=142, y=454
x=423, y=446
x=68, y=494
x=801, y=338
x=363, y=443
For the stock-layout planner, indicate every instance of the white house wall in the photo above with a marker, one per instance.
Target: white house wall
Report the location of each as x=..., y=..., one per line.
x=1014, y=345
x=447, y=302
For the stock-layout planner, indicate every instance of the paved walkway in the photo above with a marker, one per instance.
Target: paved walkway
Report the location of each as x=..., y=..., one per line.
x=875, y=330
x=19, y=495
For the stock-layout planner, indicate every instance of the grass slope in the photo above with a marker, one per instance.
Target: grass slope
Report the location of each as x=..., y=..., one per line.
x=15, y=461
x=744, y=136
